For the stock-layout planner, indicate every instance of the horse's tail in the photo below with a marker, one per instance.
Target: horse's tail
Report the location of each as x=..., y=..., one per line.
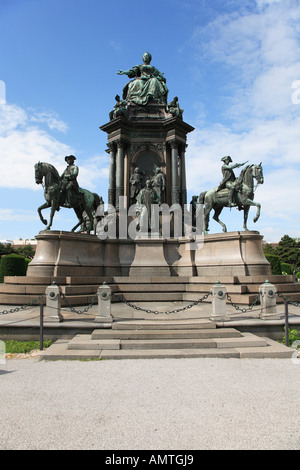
x=97, y=201
x=202, y=197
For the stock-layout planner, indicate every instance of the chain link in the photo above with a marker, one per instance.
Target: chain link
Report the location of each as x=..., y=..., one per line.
x=296, y=304
x=156, y=312
x=244, y=310
x=79, y=312
x=23, y=307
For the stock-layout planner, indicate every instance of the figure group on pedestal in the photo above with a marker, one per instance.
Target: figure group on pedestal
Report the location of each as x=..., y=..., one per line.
x=144, y=192
x=138, y=181
x=148, y=85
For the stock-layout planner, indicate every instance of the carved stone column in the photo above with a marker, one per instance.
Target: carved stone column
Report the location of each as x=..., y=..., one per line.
x=183, y=177
x=120, y=171
x=174, y=172
x=112, y=175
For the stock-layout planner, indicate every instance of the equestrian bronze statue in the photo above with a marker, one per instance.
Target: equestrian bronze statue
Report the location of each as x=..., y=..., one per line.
x=232, y=192
x=64, y=191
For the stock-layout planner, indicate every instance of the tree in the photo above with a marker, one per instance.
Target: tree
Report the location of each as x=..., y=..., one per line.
x=288, y=250
x=6, y=249
x=27, y=251
x=268, y=249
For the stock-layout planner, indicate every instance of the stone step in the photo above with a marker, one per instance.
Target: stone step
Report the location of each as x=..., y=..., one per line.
x=163, y=324
x=150, y=296
x=270, y=349
x=274, y=279
x=86, y=342
x=285, y=289
x=126, y=288
x=165, y=334
x=242, y=299
x=203, y=288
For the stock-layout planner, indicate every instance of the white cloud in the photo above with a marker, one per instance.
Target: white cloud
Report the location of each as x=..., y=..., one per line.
x=2, y=92
x=23, y=142
x=260, y=51
x=22, y=145
x=50, y=119
x=12, y=215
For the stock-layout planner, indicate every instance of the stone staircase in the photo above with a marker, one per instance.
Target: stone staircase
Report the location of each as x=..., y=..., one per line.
x=153, y=339
x=19, y=290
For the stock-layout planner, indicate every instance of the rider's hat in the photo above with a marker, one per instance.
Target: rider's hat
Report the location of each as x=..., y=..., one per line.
x=226, y=159
x=70, y=157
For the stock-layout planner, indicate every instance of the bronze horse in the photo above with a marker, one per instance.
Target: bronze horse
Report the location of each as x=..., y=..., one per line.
x=84, y=204
x=217, y=200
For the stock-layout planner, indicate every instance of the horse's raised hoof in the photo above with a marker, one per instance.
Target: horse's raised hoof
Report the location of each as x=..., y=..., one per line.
x=255, y=219
x=44, y=221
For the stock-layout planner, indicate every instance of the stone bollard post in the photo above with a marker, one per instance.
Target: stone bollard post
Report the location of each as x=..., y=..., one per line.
x=104, y=307
x=53, y=304
x=219, y=292
x=267, y=294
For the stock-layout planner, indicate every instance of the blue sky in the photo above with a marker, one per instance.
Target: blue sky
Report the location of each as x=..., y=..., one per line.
x=234, y=66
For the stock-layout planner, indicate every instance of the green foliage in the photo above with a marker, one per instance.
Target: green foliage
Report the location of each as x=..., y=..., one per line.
x=6, y=249
x=268, y=249
x=275, y=263
x=12, y=265
x=287, y=268
x=16, y=347
x=27, y=251
x=294, y=335
x=288, y=250
x=27, y=261
x=298, y=274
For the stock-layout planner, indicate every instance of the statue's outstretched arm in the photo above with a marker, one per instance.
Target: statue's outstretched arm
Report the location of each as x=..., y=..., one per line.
x=131, y=73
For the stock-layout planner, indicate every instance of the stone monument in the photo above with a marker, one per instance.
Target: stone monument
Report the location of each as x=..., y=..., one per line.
x=146, y=144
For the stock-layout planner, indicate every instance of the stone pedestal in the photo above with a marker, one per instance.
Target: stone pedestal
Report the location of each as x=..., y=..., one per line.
x=53, y=305
x=232, y=254
x=218, y=292
x=61, y=253
x=267, y=293
x=149, y=259
x=104, y=318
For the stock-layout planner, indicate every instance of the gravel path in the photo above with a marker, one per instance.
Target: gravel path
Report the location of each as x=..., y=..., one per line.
x=155, y=404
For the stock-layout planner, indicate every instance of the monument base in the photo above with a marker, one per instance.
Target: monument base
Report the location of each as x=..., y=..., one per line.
x=148, y=270
x=232, y=254
x=77, y=254
x=149, y=259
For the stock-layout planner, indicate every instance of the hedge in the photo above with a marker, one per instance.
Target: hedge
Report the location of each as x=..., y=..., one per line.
x=12, y=265
x=275, y=263
x=286, y=268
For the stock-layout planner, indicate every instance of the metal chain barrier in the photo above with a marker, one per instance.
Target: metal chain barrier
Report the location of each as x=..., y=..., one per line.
x=79, y=312
x=296, y=304
x=243, y=310
x=23, y=307
x=156, y=312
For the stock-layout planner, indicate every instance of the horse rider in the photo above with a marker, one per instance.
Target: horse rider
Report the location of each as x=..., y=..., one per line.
x=69, y=180
x=229, y=180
